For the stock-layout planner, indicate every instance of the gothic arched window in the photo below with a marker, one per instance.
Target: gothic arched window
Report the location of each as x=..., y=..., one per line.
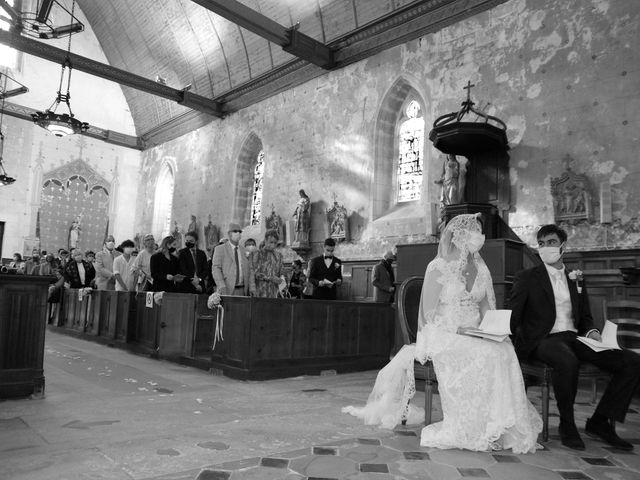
x=410, y=153
x=163, y=202
x=258, y=177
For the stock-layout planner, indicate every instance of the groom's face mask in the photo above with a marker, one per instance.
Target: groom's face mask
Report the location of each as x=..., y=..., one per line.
x=475, y=242
x=550, y=249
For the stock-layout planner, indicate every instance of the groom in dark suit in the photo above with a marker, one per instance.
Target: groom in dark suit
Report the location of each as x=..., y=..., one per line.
x=325, y=272
x=550, y=309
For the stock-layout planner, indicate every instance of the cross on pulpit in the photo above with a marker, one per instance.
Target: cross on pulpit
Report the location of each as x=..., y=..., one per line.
x=468, y=89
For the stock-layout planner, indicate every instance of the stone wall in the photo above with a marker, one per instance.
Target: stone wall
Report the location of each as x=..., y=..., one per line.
x=562, y=75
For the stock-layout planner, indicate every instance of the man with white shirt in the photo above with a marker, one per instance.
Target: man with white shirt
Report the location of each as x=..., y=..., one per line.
x=325, y=272
x=549, y=311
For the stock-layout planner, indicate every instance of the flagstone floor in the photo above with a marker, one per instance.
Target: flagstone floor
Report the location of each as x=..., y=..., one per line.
x=109, y=414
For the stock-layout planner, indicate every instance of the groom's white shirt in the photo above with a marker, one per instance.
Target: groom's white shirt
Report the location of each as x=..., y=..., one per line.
x=562, y=298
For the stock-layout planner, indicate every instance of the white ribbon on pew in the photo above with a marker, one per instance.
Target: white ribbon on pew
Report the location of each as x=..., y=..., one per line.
x=219, y=326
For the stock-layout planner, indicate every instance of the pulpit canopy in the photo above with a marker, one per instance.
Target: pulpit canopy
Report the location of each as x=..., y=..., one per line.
x=450, y=134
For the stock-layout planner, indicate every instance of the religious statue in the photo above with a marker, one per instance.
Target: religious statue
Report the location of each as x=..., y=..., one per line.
x=274, y=222
x=571, y=195
x=74, y=232
x=337, y=217
x=137, y=240
x=176, y=234
x=452, y=183
x=211, y=236
x=302, y=215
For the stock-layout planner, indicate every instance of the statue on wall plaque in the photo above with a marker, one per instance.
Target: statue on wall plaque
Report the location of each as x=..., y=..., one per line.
x=211, y=236
x=302, y=215
x=571, y=194
x=74, y=232
x=337, y=218
x=177, y=235
x=274, y=222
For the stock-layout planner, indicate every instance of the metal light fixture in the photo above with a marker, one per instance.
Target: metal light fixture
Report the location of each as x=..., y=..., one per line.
x=4, y=178
x=61, y=124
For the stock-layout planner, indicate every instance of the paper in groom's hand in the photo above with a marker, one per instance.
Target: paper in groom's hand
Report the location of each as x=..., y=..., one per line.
x=609, y=339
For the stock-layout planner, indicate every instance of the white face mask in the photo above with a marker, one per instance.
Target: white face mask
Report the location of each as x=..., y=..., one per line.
x=475, y=242
x=128, y=250
x=110, y=245
x=550, y=255
x=251, y=248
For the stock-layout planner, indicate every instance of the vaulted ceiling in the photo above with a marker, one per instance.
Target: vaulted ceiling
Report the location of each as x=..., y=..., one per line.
x=185, y=43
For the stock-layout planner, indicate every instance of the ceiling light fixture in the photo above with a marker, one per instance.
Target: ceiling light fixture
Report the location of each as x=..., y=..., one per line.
x=38, y=24
x=61, y=124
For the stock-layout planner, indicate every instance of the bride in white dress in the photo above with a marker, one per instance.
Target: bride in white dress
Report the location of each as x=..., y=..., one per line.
x=482, y=393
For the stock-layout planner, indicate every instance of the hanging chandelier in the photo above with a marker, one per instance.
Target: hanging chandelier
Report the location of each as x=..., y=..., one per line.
x=61, y=124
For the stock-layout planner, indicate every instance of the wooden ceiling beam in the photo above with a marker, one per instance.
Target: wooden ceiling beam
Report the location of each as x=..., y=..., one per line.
x=290, y=39
x=84, y=64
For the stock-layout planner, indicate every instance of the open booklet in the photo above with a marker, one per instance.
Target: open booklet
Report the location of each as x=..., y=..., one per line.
x=609, y=339
x=496, y=326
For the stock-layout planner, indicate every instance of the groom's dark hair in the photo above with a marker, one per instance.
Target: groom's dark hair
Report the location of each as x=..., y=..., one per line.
x=550, y=230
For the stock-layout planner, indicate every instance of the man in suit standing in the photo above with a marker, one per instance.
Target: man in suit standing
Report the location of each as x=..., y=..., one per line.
x=193, y=265
x=325, y=272
x=230, y=267
x=105, y=279
x=383, y=279
x=549, y=311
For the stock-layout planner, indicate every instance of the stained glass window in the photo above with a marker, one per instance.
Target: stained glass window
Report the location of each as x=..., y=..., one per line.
x=258, y=182
x=411, y=147
x=163, y=203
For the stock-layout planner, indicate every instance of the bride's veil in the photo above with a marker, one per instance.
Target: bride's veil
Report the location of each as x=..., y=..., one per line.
x=450, y=262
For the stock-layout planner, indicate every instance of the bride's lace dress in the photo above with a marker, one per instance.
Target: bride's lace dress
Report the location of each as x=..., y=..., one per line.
x=482, y=393
x=481, y=388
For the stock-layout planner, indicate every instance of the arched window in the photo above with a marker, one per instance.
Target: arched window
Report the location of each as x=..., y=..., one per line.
x=410, y=150
x=162, y=203
x=399, y=149
x=249, y=182
x=256, y=202
x=8, y=55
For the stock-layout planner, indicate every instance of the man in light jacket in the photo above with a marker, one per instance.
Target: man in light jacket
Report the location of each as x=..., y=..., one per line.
x=105, y=279
x=230, y=267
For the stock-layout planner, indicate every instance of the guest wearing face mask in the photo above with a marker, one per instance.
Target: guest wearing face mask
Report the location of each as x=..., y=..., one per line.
x=550, y=310
x=105, y=280
x=193, y=265
x=122, y=267
x=250, y=247
x=141, y=266
x=165, y=267
x=33, y=264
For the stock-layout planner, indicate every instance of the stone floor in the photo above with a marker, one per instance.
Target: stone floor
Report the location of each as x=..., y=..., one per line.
x=109, y=414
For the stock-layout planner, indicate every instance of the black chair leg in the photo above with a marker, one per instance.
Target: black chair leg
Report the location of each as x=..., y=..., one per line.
x=428, y=401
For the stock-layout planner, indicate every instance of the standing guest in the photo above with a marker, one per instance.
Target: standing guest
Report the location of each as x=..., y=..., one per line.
x=90, y=256
x=63, y=258
x=250, y=247
x=383, y=279
x=32, y=265
x=165, y=267
x=17, y=264
x=193, y=264
x=549, y=311
x=122, y=267
x=79, y=273
x=49, y=266
x=230, y=267
x=325, y=272
x=104, y=265
x=265, y=268
x=141, y=266
x=297, y=280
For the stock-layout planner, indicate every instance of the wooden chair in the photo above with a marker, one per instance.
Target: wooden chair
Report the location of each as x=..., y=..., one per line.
x=408, y=304
x=626, y=314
